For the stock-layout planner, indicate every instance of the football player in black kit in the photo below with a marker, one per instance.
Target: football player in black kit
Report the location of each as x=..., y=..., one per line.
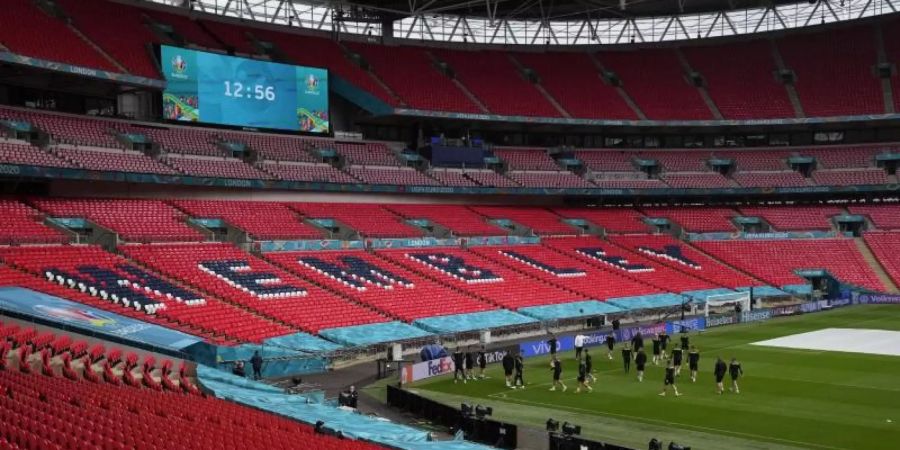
x=694, y=362
x=610, y=343
x=582, y=377
x=637, y=342
x=670, y=380
x=664, y=343
x=520, y=368
x=639, y=362
x=470, y=363
x=459, y=366
x=509, y=363
x=626, y=357
x=677, y=355
x=481, y=360
x=736, y=372
x=556, y=367
x=685, y=338
x=656, y=348
x=589, y=366
x=720, y=370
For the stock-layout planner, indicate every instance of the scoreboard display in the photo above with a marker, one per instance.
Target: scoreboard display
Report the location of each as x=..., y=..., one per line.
x=219, y=89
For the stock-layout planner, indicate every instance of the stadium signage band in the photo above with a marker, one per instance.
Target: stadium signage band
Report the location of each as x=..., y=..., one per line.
x=426, y=369
x=755, y=316
x=13, y=58
x=718, y=321
x=785, y=310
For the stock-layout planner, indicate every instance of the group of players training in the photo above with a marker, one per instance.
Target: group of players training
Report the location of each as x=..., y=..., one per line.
x=632, y=351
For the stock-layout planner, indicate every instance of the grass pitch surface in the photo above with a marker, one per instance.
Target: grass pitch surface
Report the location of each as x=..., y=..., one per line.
x=789, y=398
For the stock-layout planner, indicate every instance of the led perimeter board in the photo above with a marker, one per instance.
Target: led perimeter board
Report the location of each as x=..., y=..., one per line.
x=218, y=89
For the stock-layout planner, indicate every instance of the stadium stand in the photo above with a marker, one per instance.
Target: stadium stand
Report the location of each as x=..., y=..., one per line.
x=655, y=80
x=126, y=39
x=526, y=158
x=613, y=220
x=794, y=218
x=304, y=171
x=849, y=177
x=225, y=271
x=69, y=129
x=636, y=183
x=696, y=219
x=489, y=178
x=461, y=220
x=186, y=27
x=404, y=176
x=232, y=35
x=770, y=179
x=554, y=179
x=883, y=216
x=261, y=220
x=683, y=257
x=757, y=160
x=60, y=409
x=427, y=90
x=273, y=146
x=451, y=177
x=655, y=276
x=884, y=246
x=891, y=38
x=775, y=261
x=834, y=71
x=539, y=220
x=491, y=281
x=382, y=284
x=844, y=157
x=24, y=225
x=186, y=141
x=197, y=314
x=579, y=88
x=21, y=152
x=111, y=160
x=204, y=166
x=56, y=42
x=679, y=160
x=739, y=79
x=370, y=220
x=367, y=153
x=133, y=220
x=607, y=160
x=705, y=180
x=497, y=82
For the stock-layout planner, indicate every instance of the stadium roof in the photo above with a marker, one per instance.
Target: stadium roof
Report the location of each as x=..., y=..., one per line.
x=555, y=9
x=546, y=22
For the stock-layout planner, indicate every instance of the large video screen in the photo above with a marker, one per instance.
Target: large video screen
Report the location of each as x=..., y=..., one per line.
x=226, y=90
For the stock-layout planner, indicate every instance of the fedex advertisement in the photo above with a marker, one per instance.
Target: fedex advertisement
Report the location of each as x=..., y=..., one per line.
x=426, y=369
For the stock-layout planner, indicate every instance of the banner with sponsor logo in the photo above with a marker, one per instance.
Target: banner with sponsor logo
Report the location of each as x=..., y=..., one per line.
x=625, y=334
x=718, y=321
x=755, y=316
x=426, y=369
x=872, y=299
x=785, y=310
x=692, y=324
x=538, y=348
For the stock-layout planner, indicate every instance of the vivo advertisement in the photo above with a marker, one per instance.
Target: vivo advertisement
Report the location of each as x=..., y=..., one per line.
x=218, y=89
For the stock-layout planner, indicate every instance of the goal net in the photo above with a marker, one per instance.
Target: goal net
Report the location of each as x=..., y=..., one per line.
x=725, y=303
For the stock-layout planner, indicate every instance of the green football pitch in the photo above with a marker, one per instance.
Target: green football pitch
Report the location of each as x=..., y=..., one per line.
x=789, y=398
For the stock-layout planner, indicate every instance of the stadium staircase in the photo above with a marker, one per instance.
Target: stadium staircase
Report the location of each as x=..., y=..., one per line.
x=704, y=93
x=371, y=73
x=876, y=266
x=462, y=87
x=791, y=91
x=624, y=94
x=537, y=85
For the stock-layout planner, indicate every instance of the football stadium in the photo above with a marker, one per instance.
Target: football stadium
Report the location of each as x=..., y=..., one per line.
x=449, y=224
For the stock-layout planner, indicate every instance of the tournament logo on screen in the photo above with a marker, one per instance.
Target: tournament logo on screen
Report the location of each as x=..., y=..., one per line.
x=179, y=65
x=312, y=85
x=74, y=314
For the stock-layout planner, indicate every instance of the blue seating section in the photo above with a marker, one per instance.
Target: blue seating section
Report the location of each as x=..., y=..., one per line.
x=558, y=271
x=376, y=333
x=568, y=310
x=701, y=295
x=618, y=262
x=763, y=290
x=237, y=273
x=303, y=342
x=454, y=266
x=356, y=273
x=458, y=323
x=647, y=301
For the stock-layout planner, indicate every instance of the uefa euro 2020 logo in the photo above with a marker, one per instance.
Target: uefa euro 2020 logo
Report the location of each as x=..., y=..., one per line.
x=312, y=84
x=179, y=65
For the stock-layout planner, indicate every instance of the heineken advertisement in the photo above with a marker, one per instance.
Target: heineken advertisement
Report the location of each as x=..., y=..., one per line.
x=13, y=58
x=24, y=171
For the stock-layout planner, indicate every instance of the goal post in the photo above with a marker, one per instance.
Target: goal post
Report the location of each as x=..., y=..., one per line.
x=726, y=302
